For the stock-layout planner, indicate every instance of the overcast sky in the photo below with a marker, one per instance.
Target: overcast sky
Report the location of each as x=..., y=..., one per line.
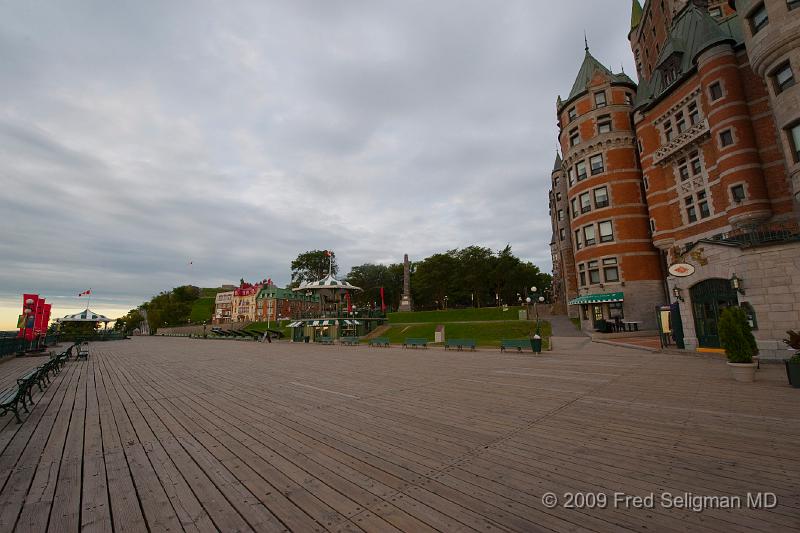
x=136, y=137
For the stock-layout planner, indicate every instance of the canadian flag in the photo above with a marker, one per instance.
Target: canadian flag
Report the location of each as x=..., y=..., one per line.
x=327, y=253
x=86, y=292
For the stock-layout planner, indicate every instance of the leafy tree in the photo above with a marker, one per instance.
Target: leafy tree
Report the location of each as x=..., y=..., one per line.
x=371, y=278
x=736, y=337
x=312, y=265
x=129, y=322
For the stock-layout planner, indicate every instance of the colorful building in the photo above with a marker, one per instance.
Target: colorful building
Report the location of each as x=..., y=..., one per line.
x=243, y=304
x=273, y=303
x=602, y=211
x=696, y=169
x=223, y=307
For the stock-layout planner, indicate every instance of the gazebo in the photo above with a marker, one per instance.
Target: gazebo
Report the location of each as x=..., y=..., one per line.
x=86, y=316
x=333, y=294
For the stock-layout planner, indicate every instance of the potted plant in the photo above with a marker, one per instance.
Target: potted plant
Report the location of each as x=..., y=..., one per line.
x=793, y=364
x=739, y=343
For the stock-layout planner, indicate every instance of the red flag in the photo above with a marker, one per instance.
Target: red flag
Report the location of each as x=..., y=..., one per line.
x=383, y=304
x=84, y=293
x=30, y=317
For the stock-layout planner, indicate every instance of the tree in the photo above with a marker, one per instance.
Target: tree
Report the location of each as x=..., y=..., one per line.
x=371, y=278
x=312, y=266
x=129, y=322
x=736, y=337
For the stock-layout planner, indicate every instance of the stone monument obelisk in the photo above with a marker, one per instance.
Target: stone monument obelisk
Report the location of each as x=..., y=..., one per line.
x=405, y=300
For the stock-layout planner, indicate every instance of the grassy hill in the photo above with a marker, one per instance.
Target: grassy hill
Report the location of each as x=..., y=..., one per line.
x=456, y=315
x=487, y=334
x=202, y=310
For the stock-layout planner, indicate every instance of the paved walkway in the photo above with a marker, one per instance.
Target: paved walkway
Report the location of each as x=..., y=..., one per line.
x=563, y=327
x=171, y=434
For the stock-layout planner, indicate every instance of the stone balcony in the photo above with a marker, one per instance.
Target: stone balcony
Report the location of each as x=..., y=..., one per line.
x=681, y=141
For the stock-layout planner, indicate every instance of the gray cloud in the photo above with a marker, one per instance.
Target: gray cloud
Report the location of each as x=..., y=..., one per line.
x=136, y=137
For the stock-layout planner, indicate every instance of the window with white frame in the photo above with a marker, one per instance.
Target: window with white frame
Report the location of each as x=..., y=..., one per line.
x=596, y=163
x=600, y=99
x=560, y=215
x=601, y=197
x=586, y=204
x=580, y=170
x=610, y=269
x=572, y=114
x=570, y=177
x=578, y=243
x=594, y=272
x=606, y=229
x=575, y=211
x=588, y=235
x=604, y=124
x=574, y=137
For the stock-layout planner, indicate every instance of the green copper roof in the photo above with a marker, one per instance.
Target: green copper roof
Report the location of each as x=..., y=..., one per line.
x=693, y=31
x=587, y=71
x=636, y=14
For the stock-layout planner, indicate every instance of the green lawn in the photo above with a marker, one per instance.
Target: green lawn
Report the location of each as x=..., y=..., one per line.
x=202, y=310
x=488, y=334
x=456, y=315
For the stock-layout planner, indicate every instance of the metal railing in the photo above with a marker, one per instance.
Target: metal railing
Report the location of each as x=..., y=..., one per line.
x=753, y=235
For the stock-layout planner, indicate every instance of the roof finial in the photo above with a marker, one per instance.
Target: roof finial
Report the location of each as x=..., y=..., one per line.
x=586, y=41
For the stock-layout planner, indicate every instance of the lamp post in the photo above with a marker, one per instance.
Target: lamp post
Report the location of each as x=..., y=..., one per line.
x=536, y=342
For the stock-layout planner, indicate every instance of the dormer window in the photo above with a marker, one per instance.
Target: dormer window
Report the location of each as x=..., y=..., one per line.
x=671, y=68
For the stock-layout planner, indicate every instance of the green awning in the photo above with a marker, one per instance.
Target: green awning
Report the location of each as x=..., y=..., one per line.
x=597, y=298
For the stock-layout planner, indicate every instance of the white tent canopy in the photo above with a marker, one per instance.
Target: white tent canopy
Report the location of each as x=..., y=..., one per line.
x=328, y=282
x=86, y=315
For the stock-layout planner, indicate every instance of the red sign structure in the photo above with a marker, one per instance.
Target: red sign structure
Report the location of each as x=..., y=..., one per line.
x=36, y=317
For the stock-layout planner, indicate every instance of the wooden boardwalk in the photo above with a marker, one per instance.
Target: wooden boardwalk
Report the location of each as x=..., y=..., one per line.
x=170, y=434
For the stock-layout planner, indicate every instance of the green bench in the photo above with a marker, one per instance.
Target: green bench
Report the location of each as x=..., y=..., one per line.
x=459, y=344
x=350, y=341
x=324, y=340
x=518, y=344
x=414, y=342
x=379, y=341
x=10, y=399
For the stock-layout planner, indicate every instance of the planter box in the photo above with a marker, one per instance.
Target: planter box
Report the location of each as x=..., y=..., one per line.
x=793, y=373
x=744, y=372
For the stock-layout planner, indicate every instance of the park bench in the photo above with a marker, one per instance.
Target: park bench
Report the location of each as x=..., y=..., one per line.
x=414, y=342
x=83, y=351
x=11, y=398
x=520, y=344
x=459, y=344
x=379, y=341
x=350, y=341
x=324, y=340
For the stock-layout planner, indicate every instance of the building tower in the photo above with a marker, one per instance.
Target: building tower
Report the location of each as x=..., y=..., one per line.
x=714, y=164
x=619, y=273
x=565, y=285
x=771, y=31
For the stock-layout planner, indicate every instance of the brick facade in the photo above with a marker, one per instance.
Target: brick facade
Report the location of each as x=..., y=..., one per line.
x=700, y=159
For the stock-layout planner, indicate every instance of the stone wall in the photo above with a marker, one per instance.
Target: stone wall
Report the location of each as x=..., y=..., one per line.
x=770, y=279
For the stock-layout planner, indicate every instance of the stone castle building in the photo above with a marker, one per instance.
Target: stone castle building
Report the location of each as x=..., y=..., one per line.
x=694, y=168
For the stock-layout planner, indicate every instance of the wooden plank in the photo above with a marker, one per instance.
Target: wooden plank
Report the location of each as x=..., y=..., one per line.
x=28, y=494
x=126, y=511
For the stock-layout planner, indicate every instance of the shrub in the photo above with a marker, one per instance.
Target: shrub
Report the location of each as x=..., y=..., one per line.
x=736, y=337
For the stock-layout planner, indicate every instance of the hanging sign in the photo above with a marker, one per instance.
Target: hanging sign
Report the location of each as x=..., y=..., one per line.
x=681, y=270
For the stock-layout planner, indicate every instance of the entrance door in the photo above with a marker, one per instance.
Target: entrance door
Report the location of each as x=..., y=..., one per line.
x=709, y=298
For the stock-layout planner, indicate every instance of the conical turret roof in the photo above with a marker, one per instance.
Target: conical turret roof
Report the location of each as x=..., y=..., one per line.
x=557, y=165
x=636, y=14
x=587, y=72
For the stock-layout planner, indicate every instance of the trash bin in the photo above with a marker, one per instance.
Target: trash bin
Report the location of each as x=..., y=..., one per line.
x=306, y=339
x=536, y=344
